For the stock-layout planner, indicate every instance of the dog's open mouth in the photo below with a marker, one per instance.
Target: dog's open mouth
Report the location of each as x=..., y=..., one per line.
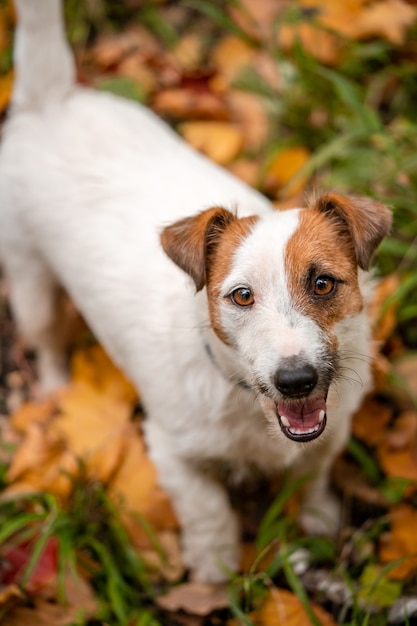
x=302, y=420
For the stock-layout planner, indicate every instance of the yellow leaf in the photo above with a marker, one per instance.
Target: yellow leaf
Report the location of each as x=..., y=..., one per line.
x=283, y=167
x=136, y=486
x=229, y=57
x=220, y=141
x=93, y=366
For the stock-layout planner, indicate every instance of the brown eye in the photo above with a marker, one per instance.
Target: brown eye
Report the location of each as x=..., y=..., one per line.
x=324, y=286
x=242, y=296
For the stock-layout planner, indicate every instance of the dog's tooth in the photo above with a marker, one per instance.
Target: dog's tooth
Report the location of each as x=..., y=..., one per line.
x=321, y=416
x=285, y=421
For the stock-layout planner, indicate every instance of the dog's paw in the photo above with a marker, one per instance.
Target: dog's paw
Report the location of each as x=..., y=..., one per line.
x=214, y=566
x=213, y=555
x=321, y=518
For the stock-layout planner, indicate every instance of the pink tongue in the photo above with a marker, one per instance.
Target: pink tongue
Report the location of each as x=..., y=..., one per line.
x=304, y=413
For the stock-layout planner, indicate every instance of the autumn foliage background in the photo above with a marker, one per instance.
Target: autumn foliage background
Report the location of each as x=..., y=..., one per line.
x=288, y=96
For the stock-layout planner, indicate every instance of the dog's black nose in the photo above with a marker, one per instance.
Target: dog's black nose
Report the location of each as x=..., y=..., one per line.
x=296, y=382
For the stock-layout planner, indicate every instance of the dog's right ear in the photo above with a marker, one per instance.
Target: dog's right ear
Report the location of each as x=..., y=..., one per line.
x=190, y=241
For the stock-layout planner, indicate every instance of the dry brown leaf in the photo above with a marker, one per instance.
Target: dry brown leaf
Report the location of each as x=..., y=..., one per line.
x=30, y=412
x=384, y=319
x=43, y=613
x=188, y=52
x=186, y=102
x=406, y=369
x=283, y=607
x=401, y=542
x=220, y=141
x=195, y=598
x=10, y=596
x=170, y=567
x=397, y=453
x=371, y=420
x=134, y=67
x=248, y=112
x=256, y=17
x=283, y=167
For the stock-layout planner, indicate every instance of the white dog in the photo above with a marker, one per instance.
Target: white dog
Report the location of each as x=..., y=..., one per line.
x=261, y=364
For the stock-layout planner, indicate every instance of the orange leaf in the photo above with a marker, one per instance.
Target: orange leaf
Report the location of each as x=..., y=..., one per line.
x=401, y=542
x=283, y=167
x=371, y=420
x=136, y=486
x=220, y=141
x=283, y=607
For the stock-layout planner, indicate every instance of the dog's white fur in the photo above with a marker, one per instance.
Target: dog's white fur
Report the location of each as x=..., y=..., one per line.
x=87, y=181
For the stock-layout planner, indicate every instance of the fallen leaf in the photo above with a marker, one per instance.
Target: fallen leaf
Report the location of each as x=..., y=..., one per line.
x=186, y=102
x=406, y=370
x=283, y=167
x=384, y=318
x=397, y=453
x=168, y=566
x=135, y=486
x=248, y=112
x=15, y=560
x=257, y=17
x=95, y=368
x=220, y=141
x=247, y=170
x=33, y=412
x=230, y=57
x=188, y=52
x=371, y=420
x=400, y=542
x=283, y=607
x=6, y=85
x=375, y=588
x=358, y=19
x=195, y=598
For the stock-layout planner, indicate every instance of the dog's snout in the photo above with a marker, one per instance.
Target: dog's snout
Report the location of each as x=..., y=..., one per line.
x=296, y=382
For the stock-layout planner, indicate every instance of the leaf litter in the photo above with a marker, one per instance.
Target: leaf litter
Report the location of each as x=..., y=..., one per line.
x=205, y=89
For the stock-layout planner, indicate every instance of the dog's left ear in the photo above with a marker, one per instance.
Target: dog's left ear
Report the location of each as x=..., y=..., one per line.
x=366, y=220
x=188, y=242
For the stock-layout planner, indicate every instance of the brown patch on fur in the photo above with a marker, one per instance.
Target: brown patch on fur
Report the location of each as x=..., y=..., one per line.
x=366, y=220
x=219, y=262
x=203, y=246
x=186, y=241
x=316, y=249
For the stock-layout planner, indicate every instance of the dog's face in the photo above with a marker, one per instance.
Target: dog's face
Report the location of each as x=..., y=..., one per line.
x=278, y=287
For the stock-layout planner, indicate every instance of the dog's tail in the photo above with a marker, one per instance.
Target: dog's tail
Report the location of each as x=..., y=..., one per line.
x=44, y=65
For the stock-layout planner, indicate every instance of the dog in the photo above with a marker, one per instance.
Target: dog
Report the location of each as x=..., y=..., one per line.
x=244, y=328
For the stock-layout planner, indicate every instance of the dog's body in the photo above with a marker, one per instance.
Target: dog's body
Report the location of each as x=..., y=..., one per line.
x=248, y=370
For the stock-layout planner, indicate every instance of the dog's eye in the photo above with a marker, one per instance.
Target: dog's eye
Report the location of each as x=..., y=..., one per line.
x=242, y=296
x=324, y=286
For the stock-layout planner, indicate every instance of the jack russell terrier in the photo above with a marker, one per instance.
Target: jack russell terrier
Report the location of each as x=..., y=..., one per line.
x=244, y=328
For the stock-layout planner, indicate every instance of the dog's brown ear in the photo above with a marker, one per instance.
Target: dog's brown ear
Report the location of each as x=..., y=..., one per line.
x=188, y=242
x=366, y=220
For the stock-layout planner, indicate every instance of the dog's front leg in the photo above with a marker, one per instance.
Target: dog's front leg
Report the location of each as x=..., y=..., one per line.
x=210, y=531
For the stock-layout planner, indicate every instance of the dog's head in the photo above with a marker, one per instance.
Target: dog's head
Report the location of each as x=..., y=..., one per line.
x=280, y=287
